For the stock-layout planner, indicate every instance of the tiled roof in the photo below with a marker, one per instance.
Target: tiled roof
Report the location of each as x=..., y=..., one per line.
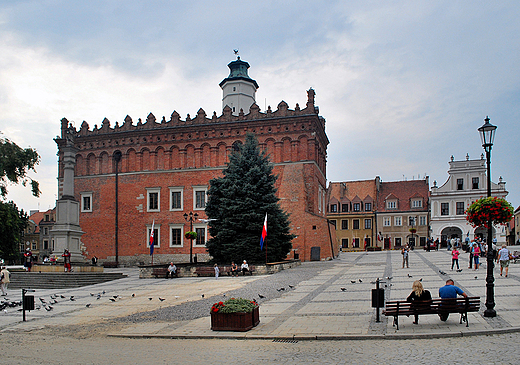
x=404, y=191
x=353, y=190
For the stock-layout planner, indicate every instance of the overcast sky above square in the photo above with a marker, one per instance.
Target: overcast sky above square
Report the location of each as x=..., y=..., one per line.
x=403, y=85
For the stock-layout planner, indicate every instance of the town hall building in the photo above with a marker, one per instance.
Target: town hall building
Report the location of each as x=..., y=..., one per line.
x=130, y=176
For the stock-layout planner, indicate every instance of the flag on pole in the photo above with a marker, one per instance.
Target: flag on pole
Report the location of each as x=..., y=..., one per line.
x=264, y=233
x=152, y=239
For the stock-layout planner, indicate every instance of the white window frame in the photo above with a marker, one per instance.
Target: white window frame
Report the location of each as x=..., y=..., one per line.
x=152, y=191
x=417, y=203
x=177, y=226
x=205, y=226
x=387, y=221
x=196, y=189
x=149, y=230
x=176, y=190
x=86, y=195
x=398, y=220
x=422, y=220
x=367, y=220
x=391, y=204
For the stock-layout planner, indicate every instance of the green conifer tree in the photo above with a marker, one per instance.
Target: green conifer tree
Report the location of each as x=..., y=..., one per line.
x=237, y=204
x=12, y=224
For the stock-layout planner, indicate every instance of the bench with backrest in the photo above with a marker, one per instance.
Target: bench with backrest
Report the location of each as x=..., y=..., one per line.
x=160, y=272
x=396, y=308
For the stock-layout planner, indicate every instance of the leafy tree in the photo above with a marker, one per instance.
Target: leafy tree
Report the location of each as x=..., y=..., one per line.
x=15, y=163
x=12, y=223
x=237, y=205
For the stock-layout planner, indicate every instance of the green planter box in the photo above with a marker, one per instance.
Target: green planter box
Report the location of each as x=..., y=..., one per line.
x=239, y=322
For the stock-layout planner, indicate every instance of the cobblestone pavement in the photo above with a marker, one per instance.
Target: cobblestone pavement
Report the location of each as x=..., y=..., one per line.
x=50, y=349
x=316, y=308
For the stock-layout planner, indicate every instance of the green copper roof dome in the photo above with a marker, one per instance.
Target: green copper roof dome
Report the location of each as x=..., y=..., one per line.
x=238, y=71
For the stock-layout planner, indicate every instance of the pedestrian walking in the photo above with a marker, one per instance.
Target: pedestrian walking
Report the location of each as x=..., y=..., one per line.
x=217, y=271
x=66, y=260
x=405, y=252
x=455, y=258
x=503, y=257
x=5, y=276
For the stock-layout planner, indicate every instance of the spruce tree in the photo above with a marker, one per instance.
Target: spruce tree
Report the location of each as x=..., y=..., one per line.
x=237, y=204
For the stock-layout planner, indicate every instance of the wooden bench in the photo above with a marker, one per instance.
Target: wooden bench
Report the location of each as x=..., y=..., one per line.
x=462, y=306
x=161, y=272
x=205, y=271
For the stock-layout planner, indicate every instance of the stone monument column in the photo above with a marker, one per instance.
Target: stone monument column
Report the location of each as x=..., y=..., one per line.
x=67, y=232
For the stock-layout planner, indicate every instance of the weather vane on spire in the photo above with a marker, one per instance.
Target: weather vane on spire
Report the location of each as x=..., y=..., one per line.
x=236, y=53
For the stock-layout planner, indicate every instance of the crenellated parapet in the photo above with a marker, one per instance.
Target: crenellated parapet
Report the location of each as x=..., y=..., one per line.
x=200, y=118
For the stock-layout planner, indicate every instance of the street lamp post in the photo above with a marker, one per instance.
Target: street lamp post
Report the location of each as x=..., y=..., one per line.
x=487, y=135
x=190, y=218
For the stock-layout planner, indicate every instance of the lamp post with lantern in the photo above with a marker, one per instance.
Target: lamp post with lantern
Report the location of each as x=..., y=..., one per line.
x=190, y=218
x=487, y=135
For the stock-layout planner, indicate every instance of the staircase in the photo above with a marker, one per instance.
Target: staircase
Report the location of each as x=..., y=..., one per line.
x=55, y=280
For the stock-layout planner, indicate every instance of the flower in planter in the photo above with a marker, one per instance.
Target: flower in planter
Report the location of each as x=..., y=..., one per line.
x=234, y=305
x=412, y=230
x=191, y=235
x=496, y=210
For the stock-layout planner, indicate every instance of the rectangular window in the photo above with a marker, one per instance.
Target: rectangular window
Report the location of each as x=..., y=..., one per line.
x=460, y=208
x=344, y=224
x=156, y=235
x=45, y=244
x=34, y=246
x=355, y=242
x=176, y=235
x=344, y=243
x=368, y=223
x=199, y=197
x=201, y=236
x=412, y=221
x=460, y=184
x=46, y=231
x=392, y=204
x=422, y=220
x=176, y=199
x=417, y=203
x=355, y=224
x=154, y=199
x=368, y=207
x=475, y=183
x=356, y=207
x=397, y=241
x=445, y=208
x=333, y=208
x=387, y=222
x=344, y=208
x=398, y=221
x=86, y=202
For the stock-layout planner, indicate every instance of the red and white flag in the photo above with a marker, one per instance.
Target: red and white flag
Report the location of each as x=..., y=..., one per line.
x=264, y=233
x=152, y=238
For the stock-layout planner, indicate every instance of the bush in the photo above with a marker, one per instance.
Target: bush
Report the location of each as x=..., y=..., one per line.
x=235, y=305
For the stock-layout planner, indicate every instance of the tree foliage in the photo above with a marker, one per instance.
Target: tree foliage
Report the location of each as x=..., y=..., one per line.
x=12, y=224
x=237, y=205
x=15, y=163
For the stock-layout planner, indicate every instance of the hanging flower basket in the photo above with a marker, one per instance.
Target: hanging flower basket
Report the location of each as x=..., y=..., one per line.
x=496, y=210
x=191, y=235
x=412, y=230
x=235, y=314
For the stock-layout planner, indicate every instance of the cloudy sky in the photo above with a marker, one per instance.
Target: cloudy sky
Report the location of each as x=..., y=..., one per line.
x=403, y=85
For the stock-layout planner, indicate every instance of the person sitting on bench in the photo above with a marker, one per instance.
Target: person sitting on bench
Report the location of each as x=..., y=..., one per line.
x=419, y=297
x=244, y=267
x=172, y=270
x=449, y=291
x=234, y=269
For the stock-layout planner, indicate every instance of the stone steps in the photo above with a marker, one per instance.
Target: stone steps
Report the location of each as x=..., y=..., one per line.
x=35, y=280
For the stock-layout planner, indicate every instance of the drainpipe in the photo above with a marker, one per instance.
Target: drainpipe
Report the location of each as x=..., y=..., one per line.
x=117, y=159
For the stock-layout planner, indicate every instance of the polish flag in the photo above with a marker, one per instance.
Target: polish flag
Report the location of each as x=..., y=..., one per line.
x=152, y=239
x=264, y=233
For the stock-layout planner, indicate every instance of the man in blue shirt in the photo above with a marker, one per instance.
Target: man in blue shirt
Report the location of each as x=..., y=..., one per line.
x=449, y=291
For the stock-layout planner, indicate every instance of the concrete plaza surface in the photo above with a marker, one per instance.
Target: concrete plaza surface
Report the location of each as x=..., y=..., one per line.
x=316, y=308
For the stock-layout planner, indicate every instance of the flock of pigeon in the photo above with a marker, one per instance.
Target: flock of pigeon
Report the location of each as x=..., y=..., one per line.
x=48, y=303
